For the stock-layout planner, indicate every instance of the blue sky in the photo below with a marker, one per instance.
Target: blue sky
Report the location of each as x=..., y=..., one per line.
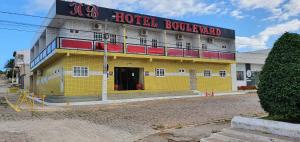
x=257, y=23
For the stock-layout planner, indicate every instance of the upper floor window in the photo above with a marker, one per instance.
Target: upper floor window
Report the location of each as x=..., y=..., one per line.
x=154, y=43
x=188, y=45
x=179, y=44
x=20, y=58
x=80, y=71
x=143, y=41
x=74, y=31
x=98, y=36
x=204, y=46
x=209, y=40
x=207, y=73
x=222, y=73
x=113, y=38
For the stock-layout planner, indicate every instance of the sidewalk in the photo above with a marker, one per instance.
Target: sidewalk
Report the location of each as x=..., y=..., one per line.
x=120, y=101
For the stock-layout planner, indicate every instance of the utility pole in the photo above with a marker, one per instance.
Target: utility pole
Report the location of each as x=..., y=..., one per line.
x=105, y=65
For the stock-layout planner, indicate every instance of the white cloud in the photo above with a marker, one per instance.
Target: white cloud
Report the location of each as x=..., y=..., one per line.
x=260, y=41
x=272, y=5
x=290, y=9
x=158, y=7
x=237, y=14
x=178, y=7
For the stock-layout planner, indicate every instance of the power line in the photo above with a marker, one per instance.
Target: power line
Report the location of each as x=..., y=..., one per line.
x=45, y=17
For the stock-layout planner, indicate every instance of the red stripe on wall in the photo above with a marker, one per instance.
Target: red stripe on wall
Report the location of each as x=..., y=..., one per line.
x=78, y=44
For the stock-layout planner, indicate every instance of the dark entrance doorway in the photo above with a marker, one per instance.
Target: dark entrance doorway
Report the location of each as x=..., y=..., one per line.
x=128, y=78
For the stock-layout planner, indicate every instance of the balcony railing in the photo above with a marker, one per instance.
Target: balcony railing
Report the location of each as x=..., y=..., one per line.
x=92, y=45
x=45, y=53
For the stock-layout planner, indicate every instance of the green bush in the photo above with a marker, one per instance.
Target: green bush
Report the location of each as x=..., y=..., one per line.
x=279, y=87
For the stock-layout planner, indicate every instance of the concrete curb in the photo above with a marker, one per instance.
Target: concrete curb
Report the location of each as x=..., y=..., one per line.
x=267, y=126
x=127, y=100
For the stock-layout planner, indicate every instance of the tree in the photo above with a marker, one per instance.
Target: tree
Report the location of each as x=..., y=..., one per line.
x=9, y=67
x=279, y=87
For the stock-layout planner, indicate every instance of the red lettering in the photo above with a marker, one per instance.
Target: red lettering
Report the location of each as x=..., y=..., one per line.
x=212, y=31
x=168, y=24
x=154, y=24
x=195, y=28
x=120, y=17
x=175, y=26
x=129, y=18
x=188, y=28
x=92, y=11
x=206, y=30
x=77, y=9
x=138, y=19
x=201, y=29
x=146, y=21
x=182, y=26
x=218, y=32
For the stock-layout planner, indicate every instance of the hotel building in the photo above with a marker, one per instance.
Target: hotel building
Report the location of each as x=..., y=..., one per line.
x=145, y=53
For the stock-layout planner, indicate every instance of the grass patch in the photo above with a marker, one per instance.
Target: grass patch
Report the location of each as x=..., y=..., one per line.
x=158, y=127
x=178, y=126
x=3, y=102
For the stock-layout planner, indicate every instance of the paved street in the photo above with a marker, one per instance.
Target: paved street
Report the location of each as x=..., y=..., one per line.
x=177, y=120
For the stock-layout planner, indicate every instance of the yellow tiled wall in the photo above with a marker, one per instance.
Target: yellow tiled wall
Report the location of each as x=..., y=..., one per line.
x=91, y=86
x=50, y=81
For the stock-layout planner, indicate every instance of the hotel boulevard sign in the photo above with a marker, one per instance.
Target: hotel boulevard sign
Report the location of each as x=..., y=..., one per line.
x=117, y=16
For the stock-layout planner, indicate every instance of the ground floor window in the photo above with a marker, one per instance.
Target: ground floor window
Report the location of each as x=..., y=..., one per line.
x=160, y=72
x=222, y=73
x=80, y=71
x=181, y=70
x=240, y=75
x=207, y=73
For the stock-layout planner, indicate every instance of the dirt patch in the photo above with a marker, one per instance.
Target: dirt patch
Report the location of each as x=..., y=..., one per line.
x=14, y=137
x=62, y=131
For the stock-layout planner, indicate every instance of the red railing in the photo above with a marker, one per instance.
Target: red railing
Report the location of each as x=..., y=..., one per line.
x=82, y=44
x=118, y=47
x=136, y=49
x=176, y=52
x=156, y=51
x=191, y=53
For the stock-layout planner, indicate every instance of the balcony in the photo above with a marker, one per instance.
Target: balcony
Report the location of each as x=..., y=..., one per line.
x=98, y=46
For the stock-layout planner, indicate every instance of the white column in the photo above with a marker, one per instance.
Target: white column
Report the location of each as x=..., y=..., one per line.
x=233, y=77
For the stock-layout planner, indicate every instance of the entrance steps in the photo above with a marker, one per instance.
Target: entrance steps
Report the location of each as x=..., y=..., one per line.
x=243, y=135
